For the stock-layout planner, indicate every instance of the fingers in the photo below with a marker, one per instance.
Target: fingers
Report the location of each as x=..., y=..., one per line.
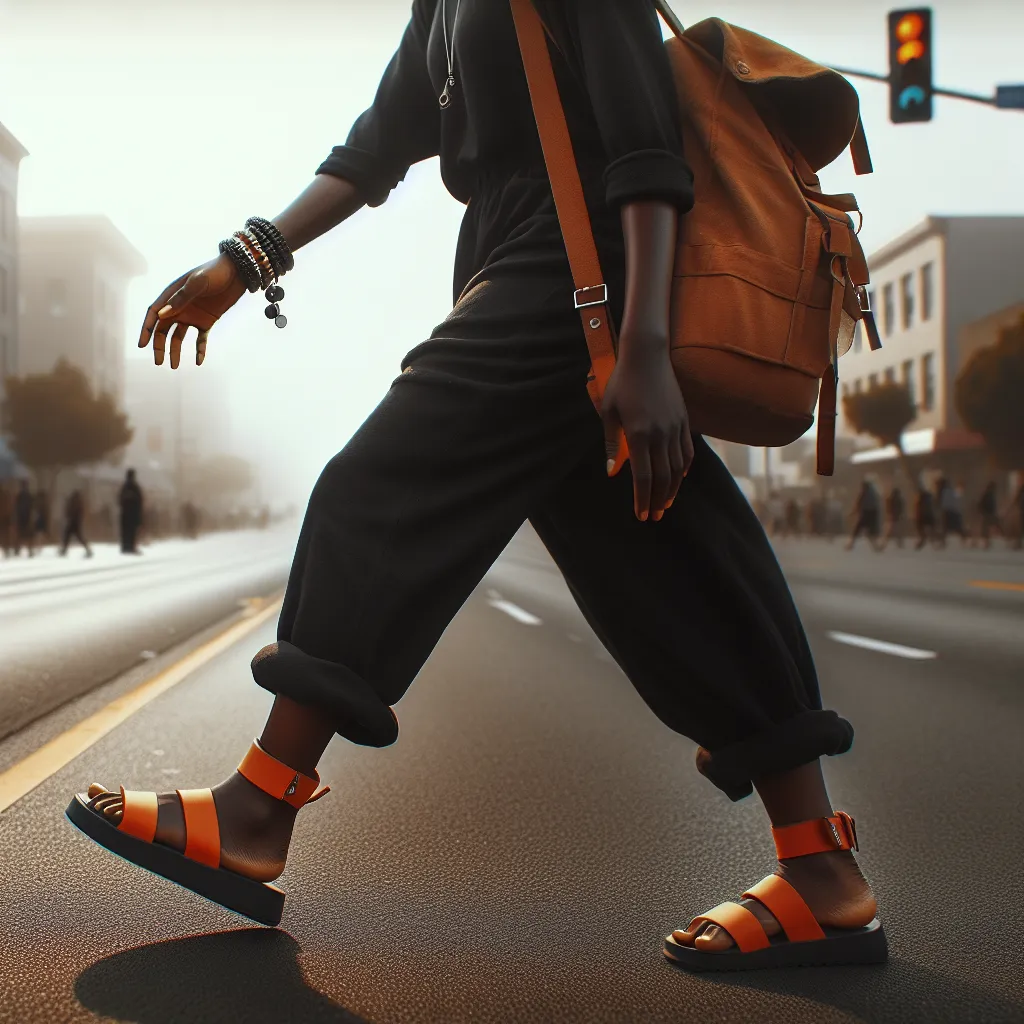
x=201, y=347
x=640, y=460
x=160, y=341
x=661, y=477
x=151, y=314
x=175, y=338
x=614, y=442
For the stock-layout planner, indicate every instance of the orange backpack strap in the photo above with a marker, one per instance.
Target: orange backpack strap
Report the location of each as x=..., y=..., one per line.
x=859, y=150
x=202, y=831
x=591, y=294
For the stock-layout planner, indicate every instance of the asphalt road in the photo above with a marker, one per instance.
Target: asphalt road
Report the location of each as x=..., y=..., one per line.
x=69, y=624
x=521, y=851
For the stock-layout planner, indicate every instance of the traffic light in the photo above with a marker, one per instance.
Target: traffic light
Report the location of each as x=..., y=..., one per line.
x=910, y=65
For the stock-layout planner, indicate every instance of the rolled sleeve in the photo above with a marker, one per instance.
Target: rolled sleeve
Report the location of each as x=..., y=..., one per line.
x=401, y=128
x=627, y=74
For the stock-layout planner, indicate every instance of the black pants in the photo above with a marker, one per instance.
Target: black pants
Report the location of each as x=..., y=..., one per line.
x=73, y=531
x=129, y=534
x=490, y=424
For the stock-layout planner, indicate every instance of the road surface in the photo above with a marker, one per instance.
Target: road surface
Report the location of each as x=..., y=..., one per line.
x=519, y=853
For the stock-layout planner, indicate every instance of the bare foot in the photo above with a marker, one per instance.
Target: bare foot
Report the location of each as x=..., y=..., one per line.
x=255, y=828
x=831, y=884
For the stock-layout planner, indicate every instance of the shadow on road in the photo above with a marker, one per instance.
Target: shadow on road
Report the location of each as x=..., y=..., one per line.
x=898, y=991
x=251, y=975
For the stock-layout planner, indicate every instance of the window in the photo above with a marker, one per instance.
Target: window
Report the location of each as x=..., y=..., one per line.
x=872, y=381
x=908, y=377
x=888, y=308
x=927, y=290
x=3, y=291
x=928, y=381
x=907, y=300
x=890, y=375
x=57, y=296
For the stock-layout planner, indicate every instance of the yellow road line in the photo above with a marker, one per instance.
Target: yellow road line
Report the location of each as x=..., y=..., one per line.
x=35, y=769
x=997, y=585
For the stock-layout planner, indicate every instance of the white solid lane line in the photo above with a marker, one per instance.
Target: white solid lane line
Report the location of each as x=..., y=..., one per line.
x=517, y=613
x=883, y=646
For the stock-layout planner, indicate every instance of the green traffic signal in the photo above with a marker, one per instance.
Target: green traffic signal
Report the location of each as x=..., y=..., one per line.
x=910, y=65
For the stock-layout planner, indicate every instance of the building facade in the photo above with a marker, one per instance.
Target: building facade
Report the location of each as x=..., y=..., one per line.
x=926, y=287
x=74, y=274
x=11, y=154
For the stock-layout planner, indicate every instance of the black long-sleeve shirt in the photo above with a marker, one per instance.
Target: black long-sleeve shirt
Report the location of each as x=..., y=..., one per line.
x=614, y=80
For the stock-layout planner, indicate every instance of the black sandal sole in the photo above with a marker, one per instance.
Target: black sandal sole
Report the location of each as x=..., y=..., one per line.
x=866, y=945
x=258, y=901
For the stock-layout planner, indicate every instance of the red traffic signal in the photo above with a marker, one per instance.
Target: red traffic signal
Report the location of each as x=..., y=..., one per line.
x=910, y=65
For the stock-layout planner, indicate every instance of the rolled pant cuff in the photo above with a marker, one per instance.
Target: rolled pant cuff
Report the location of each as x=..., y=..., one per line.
x=781, y=748
x=344, y=697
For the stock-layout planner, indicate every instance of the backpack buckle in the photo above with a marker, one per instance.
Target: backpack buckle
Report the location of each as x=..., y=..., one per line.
x=603, y=288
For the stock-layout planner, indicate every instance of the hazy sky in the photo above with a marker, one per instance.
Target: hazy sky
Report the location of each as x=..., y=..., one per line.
x=179, y=120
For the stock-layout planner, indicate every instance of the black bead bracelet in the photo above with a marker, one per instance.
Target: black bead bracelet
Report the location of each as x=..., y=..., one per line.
x=288, y=261
x=248, y=268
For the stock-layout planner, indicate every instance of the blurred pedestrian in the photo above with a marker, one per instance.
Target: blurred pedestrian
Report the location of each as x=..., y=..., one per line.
x=868, y=510
x=74, y=519
x=42, y=516
x=6, y=519
x=190, y=520
x=951, y=511
x=988, y=513
x=24, y=533
x=794, y=518
x=130, y=500
x=896, y=516
x=925, y=517
x=1017, y=518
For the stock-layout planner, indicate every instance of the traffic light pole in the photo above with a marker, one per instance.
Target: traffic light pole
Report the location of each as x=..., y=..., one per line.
x=974, y=97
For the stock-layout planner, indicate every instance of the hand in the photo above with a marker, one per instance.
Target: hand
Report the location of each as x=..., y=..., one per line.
x=196, y=299
x=643, y=401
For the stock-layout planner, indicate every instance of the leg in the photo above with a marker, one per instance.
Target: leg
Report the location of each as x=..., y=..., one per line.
x=400, y=528
x=697, y=613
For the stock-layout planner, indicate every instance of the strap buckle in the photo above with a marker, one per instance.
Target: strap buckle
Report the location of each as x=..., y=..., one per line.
x=594, y=302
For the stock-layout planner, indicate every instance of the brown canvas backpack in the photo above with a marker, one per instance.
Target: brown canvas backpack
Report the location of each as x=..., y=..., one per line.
x=769, y=274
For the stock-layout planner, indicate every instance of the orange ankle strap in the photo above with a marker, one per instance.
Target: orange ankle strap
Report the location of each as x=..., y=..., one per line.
x=819, y=835
x=278, y=780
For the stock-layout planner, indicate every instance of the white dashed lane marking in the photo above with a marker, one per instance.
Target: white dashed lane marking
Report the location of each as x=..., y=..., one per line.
x=517, y=613
x=883, y=647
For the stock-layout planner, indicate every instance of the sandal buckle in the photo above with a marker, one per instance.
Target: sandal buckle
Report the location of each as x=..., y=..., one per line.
x=835, y=832
x=290, y=791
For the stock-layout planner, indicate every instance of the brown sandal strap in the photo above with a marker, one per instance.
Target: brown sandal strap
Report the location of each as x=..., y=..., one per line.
x=819, y=835
x=278, y=780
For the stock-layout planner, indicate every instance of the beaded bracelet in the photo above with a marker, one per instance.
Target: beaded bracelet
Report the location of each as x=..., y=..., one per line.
x=276, y=237
x=267, y=275
x=244, y=260
x=270, y=248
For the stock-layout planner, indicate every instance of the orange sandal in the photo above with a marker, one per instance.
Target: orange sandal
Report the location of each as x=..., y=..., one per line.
x=198, y=868
x=802, y=942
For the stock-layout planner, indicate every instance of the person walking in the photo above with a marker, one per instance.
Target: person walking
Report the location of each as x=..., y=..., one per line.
x=24, y=527
x=74, y=520
x=925, y=517
x=895, y=513
x=988, y=515
x=868, y=511
x=130, y=500
x=1017, y=515
x=490, y=423
x=41, y=524
x=6, y=519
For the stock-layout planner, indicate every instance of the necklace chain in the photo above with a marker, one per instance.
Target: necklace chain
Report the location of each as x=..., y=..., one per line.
x=445, y=99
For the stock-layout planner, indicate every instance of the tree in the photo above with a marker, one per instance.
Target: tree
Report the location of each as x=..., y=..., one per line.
x=54, y=421
x=989, y=396
x=884, y=412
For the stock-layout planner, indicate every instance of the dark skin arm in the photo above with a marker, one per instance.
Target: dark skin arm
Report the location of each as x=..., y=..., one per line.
x=643, y=399
x=202, y=296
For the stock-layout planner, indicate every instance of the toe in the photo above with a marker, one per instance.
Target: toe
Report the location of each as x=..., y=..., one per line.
x=713, y=939
x=96, y=790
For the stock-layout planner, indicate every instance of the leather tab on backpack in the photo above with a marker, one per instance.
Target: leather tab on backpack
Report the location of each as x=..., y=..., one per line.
x=827, y=423
x=859, y=150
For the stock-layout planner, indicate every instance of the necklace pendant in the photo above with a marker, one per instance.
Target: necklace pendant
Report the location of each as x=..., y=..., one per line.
x=444, y=99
